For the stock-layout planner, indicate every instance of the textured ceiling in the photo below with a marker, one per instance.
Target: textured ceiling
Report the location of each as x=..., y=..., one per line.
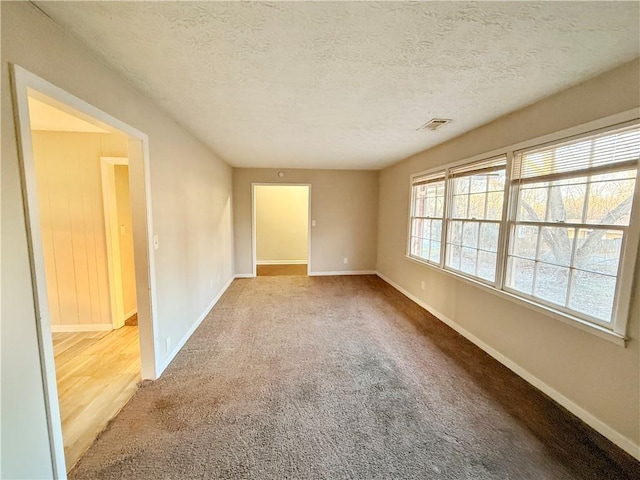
x=346, y=84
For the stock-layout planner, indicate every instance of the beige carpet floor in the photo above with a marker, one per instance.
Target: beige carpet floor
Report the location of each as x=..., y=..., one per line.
x=341, y=378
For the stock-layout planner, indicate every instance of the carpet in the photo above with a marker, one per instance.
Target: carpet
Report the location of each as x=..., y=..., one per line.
x=341, y=378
